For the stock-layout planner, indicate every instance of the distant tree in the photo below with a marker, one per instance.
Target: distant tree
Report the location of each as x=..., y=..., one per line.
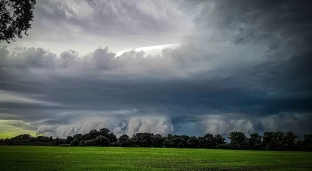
x=278, y=141
x=168, y=141
x=202, y=142
x=103, y=131
x=8, y=141
x=15, y=17
x=219, y=140
x=307, y=141
x=58, y=141
x=273, y=140
x=111, y=137
x=268, y=140
x=69, y=139
x=210, y=141
x=143, y=139
x=237, y=139
x=75, y=142
x=130, y=142
x=298, y=145
x=255, y=141
x=122, y=140
x=43, y=140
x=289, y=140
x=101, y=141
x=89, y=143
x=157, y=140
x=91, y=135
x=23, y=137
x=247, y=145
x=78, y=137
x=183, y=142
x=82, y=143
x=192, y=142
x=179, y=142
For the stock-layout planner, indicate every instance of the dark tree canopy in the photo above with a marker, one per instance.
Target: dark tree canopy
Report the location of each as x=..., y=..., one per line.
x=238, y=140
x=15, y=17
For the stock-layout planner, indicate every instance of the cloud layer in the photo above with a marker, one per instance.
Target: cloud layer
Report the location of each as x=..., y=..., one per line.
x=244, y=67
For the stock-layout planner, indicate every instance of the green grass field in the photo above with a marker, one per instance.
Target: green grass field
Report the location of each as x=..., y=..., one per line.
x=22, y=158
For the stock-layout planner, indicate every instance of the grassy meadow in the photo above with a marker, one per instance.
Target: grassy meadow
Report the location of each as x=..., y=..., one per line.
x=30, y=158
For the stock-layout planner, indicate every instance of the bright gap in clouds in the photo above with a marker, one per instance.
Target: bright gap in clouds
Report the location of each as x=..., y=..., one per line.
x=151, y=50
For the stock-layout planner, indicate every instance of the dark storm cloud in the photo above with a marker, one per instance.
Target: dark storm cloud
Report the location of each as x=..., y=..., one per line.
x=283, y=27
x=246, y=68
x=112, y=18
x=84, y=25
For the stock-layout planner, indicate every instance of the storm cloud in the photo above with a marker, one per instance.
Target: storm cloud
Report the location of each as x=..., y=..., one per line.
x=245, y=66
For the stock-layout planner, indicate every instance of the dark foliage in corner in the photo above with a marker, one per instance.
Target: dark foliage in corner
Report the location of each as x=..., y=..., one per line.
x=15, y=17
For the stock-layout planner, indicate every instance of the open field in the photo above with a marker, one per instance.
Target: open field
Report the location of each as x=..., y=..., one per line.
x=115, y=158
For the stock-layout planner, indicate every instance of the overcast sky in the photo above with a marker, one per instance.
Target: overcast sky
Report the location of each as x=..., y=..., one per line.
x=198, y=67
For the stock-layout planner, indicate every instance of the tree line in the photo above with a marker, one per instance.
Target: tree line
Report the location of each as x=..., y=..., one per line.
x=238, y=140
